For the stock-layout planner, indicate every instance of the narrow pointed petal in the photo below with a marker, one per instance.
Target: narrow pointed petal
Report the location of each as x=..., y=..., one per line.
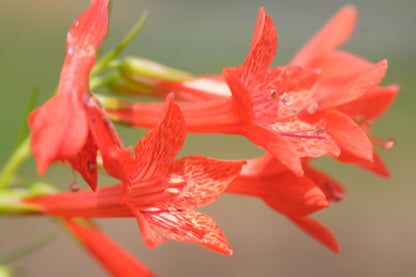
x=190, y=226
x=376, y=165
x=339, y=66
x=333, y=190
x=266, y=164
x=83, y=39
x=111, y=256
x=240, y=94
x=291, y=195
x=348, y=135
x=115, y=156
x=373, y=104
x=278, y=146
x=150, y=236
x=157, y=150
x=263, y=49
x=85, y=162
x=334, y=33
x=356, y=87
x=206, y=179
x=59, y=128
x=317, y=231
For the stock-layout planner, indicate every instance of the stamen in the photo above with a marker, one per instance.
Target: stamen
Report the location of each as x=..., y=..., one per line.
x=294, y=113
x=319, y=131
x=171, y=207
x=188, y=196
x=387, y=144
x=359, y=119
x=176, y=179
x=74, y=186
x=172, y=191
x=284, y=98
x=316, y=133
x=312, y=108
x=273, y=94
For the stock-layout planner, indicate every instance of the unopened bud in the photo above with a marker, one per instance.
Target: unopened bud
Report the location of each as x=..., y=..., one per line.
x=150, y=73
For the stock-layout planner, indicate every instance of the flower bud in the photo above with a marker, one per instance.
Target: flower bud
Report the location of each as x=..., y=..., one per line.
x=150, y=73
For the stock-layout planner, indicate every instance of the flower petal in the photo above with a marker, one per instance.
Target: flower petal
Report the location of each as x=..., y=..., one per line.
x=313, y=143
x=372, y=104
x=348, y=135
x=206, y=179
x=339, y=66
x=333, y=190
x=317, y=231
x=59, y=130
x=279, y=146
x=157, y=150
x=116, y=260
x=262, y=51
x=356, y=87
x=85, y=162
x=240, y=94
x=376, y=165
x=334, y=33
x=190, y=226
x=59, y=127
x=83, y=39
x=291, y=195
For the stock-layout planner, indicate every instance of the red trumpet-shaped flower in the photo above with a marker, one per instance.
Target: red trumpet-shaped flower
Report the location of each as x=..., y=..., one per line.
x=343, y=96
x=259, y=106
x=164, y=191
x=61, y=130
x=116, y=260
x=304, y=102
x=293, y=196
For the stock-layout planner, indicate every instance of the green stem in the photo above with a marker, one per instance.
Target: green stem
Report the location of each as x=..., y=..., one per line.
x=21, y=153
x=102, y=64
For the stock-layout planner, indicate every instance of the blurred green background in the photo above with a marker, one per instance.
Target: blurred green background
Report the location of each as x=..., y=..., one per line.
x=375, y=224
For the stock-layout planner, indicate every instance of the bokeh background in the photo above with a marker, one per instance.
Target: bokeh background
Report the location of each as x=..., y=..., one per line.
x=375, y=224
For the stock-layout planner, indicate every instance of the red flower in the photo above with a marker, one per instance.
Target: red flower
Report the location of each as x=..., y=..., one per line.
x=320, y=101
x=60, y=128
x=293, y=196
x=264, y=105
x=343, y=96
x=116, y=260
x=163, y=191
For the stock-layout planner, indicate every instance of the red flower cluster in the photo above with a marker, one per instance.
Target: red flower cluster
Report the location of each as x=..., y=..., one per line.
x=321, y=103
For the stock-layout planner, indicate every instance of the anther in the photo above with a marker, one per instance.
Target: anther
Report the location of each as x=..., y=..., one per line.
x=359, y=119
x=74, y=186
x=188, y=196
x=172, y=207
x=319, y=131
x=312, y=108
x=389, y=144
x=284, y=98
x=172, y=191
x=273, y=94
x=176, y=179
